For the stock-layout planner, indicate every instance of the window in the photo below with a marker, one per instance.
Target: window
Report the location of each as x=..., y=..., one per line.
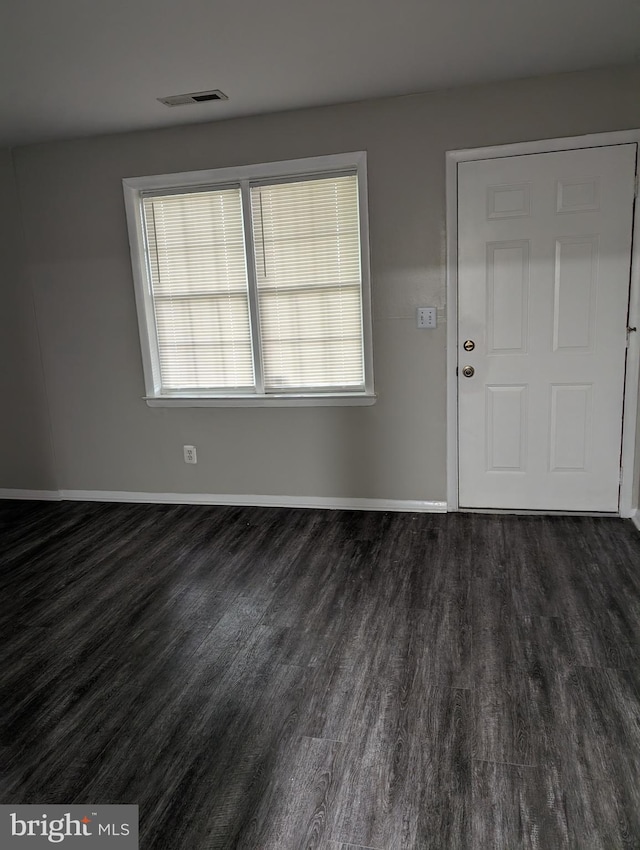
x=252, y=284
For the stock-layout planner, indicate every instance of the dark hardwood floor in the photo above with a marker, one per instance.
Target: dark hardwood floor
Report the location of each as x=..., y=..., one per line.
x=273, y=679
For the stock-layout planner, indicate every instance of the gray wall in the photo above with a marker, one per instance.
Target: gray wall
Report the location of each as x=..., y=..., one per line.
x=25, y=444
x=105, y=436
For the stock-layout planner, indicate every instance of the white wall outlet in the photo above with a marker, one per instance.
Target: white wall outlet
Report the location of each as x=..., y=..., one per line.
x=190, y=455
x=427, y=317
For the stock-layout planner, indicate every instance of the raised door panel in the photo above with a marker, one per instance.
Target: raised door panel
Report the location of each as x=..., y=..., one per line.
x=570, y=427
x=576, y=276
x=507, y=296
x=506, y=428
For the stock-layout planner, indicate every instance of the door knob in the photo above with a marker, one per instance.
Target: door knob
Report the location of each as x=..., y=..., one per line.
x=468, y=371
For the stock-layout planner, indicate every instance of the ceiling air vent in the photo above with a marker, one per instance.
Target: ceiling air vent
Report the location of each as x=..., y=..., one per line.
x=193, y=97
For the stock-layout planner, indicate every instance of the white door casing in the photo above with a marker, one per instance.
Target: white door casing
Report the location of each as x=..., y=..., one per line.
x=544, y=248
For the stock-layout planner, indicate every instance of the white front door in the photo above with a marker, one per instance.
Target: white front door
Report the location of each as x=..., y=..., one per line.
x=544, y=253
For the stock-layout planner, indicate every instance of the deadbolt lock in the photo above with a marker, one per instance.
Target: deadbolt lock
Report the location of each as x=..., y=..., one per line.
x=468, y=345
x=468, y=371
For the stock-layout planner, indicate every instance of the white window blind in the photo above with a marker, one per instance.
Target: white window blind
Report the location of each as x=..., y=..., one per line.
x=307, y=246
x=252, y=283
x=198, y=273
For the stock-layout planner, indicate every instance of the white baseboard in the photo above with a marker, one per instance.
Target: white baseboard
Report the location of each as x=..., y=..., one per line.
x=255, y=501
x=35, y=495
x=323, y=502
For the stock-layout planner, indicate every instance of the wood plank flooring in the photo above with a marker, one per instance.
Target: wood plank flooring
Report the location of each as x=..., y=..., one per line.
x=270, y=679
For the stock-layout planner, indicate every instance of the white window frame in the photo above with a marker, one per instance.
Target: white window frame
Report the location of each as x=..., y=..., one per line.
x=134, y=187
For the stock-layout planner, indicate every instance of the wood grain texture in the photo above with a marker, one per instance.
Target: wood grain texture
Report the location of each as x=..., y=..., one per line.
x=271, y=679
x=517, y=807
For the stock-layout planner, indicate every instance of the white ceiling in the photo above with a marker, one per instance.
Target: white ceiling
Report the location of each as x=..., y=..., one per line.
x=81, y=67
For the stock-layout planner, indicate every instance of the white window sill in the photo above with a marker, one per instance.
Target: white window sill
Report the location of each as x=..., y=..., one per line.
x=337, y=400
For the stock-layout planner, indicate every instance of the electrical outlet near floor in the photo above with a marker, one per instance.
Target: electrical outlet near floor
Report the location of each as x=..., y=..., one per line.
x=190, y=455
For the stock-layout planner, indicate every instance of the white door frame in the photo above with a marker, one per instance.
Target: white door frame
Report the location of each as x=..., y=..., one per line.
x=631, y=411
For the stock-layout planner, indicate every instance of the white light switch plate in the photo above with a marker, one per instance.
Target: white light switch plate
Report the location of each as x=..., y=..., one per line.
x=426, y=317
